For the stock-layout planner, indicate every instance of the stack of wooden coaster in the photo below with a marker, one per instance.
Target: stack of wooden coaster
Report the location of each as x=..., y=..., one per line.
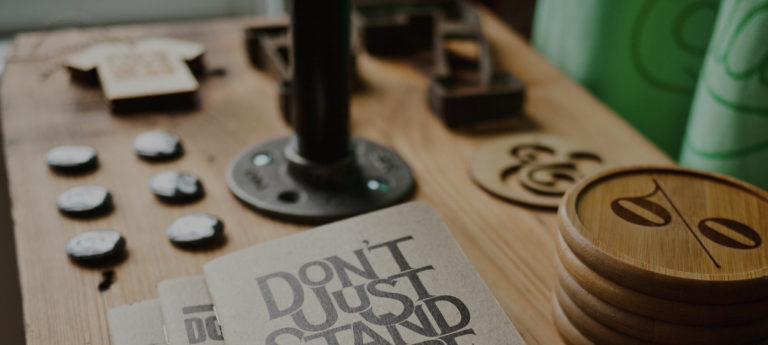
x=662, y=256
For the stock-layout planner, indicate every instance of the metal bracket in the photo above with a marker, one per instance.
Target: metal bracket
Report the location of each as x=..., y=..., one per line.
x=464, y=87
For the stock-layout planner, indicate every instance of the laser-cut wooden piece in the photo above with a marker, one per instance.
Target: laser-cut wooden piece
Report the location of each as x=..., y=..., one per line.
x=150, y=74
x=657, y=308
x=672, y=233
x=532, y=169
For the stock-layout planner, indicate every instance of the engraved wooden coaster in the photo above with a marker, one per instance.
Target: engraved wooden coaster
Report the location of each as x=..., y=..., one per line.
x=567, y=330
x=591, y=329
x=147, y=75
x=532, y=169
x=655, y=330
x=671, y=233
x=656, y=308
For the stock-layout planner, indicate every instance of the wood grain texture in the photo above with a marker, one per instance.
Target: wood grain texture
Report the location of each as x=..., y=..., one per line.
x=655, y=330
x=512, y=247
x=656, y=308
x=672, y=233
x=571, y=335
x=589, y=327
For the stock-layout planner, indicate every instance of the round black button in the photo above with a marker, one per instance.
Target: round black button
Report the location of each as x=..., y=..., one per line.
x=195, y=230
x=85, y=201
x=157, y=145
x=176, y=187
x=95, y=246
x=72, y=158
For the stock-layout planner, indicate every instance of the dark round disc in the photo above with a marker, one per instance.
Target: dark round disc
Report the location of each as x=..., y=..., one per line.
x=176, y=187
x=85, y=201
x=72, y=158
x=195, y=230
x=95, y=246
x=157, y=145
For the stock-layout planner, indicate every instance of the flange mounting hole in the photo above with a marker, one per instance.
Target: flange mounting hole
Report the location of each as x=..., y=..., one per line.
x=288, y=196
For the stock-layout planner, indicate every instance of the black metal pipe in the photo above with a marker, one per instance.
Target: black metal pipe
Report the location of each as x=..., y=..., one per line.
x=320, y=32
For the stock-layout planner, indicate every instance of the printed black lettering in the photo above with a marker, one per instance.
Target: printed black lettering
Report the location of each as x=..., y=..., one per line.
x=362, y=297
x=269, y=299
x=342, y=267
x=324, y=299
x=395, y=251
x=360, y=330
x=387, y=318
x=438, y=314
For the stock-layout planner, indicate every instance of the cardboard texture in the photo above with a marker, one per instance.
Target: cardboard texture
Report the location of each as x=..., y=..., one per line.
x=394, y=276
x=188, y=312
x=729, y=119
x=641, y=58
x=140, y=323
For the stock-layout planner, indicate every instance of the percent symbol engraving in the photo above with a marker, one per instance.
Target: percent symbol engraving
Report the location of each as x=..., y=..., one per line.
x=707, y=226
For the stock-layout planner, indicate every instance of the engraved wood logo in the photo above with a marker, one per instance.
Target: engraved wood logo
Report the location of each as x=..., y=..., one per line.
x=534, y=170
x=138, y=64
x=640, y=210
x=671, y=232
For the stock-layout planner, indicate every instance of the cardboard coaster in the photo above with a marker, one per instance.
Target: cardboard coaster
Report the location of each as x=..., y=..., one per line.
x=656, y=308
x=655, y=330
x=532, y=169
x=671, y=233
x=188, y=312
x=591, y=329
x=140, y=323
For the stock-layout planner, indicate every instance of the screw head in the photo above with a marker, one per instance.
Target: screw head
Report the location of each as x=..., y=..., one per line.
x=262, y=159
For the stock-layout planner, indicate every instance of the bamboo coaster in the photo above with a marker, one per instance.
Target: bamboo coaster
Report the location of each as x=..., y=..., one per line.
x=656, y=308
x=591, y=329
x=532, y=169
x=655, y=330
x=567, y=330
x=671, y=233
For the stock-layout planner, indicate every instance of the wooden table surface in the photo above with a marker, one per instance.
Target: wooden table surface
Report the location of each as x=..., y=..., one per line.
x=512, y=247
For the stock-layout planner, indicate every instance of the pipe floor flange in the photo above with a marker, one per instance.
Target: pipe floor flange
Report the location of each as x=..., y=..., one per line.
x=375, y=178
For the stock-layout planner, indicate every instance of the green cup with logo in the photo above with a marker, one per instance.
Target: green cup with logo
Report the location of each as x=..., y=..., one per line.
x=728, y=126
x=640, y=57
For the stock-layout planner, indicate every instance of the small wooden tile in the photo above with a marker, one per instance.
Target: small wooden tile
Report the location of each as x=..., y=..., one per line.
x=148, y=74
x=672, y=233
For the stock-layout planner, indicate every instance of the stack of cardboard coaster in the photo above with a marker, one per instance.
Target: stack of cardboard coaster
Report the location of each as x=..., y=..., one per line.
x=660, y=255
